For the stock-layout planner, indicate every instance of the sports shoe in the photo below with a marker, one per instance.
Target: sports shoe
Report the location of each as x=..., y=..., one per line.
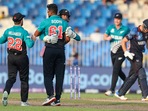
x=120, y=97
x=48, y=101
x=25, y=104
x=109, y=93
x=4, y=98
x=56, y=103
x=145, y=99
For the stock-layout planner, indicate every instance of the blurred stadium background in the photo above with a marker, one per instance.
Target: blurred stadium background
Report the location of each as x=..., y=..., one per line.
x=91, y=17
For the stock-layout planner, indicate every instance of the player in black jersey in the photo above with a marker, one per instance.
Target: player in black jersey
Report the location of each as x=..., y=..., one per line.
x=138, y=38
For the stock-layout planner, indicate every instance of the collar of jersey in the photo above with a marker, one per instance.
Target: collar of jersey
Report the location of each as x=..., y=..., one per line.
x=54, y=16
x=16, y=26
x=121, y=26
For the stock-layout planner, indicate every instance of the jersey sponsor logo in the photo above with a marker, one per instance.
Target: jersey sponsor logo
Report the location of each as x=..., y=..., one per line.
x=117, y=37
x=141, y=43
x=56, y=21
x=14, y=33
x=112, y=31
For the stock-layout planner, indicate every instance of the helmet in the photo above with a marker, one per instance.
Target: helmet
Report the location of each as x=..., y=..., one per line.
x=64, y=12
x=145, y=23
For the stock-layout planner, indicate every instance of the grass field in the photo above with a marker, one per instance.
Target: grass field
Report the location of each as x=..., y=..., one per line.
x=88, y=102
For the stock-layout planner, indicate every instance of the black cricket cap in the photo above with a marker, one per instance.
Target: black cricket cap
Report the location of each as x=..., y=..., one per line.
x=17, y=17
x=118, y=15
x=64, y=12
x=53, y=7
x=145, y=23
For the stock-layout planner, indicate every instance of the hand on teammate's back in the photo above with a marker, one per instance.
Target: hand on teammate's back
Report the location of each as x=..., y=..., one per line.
x=51, y=39
x=70, y=33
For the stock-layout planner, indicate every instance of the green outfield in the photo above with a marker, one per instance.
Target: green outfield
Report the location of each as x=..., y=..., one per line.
x=88, y=102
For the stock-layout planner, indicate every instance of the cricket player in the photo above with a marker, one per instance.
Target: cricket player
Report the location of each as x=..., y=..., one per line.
x=54, y=28
x=115, y=34
x=65, y=14
x=138, y=38
x=18, y=38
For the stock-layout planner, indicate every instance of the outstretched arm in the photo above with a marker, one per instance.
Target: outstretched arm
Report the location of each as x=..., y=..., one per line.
x=3, y=38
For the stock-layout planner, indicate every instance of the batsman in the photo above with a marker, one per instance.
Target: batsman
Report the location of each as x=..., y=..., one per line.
x=138, y=38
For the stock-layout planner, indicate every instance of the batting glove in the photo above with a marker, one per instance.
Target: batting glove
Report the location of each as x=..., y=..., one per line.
x=129, y=55
x=70, y=33
x=51, y=39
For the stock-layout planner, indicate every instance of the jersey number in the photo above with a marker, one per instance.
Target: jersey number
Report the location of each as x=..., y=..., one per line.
x=56, y=30
x=15, y=43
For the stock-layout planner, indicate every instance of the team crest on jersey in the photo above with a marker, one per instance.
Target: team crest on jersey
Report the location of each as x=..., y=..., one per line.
x=119, y=58
x=121, y=31
x=113, y=30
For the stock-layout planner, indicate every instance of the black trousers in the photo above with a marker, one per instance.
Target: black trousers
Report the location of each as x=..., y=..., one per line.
x=54, y=64
x=18, y=63
x=134, y=73
x=117, y=60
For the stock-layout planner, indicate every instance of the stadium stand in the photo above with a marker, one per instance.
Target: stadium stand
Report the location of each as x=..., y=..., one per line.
x=87, y=15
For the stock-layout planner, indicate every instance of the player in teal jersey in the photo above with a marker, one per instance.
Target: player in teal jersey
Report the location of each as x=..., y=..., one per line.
x=115, y=34
x=65, y=15
x=17, y=38
x=54, y=28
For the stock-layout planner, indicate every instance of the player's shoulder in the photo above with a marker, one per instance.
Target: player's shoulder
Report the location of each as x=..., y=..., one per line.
x=135, y=29
x=125, y=27
x=64, y=21
x=45, y=21
x=110, y=27
x=9, y=29
x=22, y=30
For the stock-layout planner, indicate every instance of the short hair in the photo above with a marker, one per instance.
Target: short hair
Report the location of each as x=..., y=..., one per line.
x=53, y=7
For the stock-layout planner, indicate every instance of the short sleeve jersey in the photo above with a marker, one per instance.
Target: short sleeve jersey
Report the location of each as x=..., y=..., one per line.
x=137, y=40
x=54, y=25
x=17, y=38
x=117, y=35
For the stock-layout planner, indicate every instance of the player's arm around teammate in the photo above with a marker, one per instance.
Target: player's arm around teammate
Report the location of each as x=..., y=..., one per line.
x=54, y=55
x=65, y=15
